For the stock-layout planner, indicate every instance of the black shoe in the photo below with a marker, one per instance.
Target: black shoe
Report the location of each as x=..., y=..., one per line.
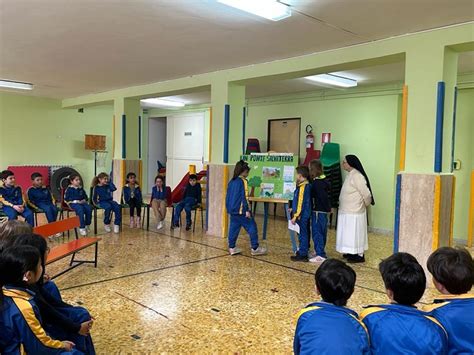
x=188, y=227
x=354, y=259
x=299, y=257
x=347, y=256
x=174, y=226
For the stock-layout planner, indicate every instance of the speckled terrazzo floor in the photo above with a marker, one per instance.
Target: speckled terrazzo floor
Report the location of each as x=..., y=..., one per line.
x=178, y=292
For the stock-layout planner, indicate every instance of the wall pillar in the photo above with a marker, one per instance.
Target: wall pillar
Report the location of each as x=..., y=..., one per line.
x=127, y=116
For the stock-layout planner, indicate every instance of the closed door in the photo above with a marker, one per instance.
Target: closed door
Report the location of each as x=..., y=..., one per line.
x=284, y=135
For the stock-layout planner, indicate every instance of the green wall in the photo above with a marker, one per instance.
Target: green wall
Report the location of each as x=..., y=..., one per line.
x=37, y=131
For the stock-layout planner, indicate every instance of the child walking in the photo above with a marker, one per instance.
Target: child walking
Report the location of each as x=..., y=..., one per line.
x=132, y=196
x=40, y=197
x=76, y=198
x=159, y=200
x=11, y=198
x=320, y=208
x=237, y=205
x=102, y=197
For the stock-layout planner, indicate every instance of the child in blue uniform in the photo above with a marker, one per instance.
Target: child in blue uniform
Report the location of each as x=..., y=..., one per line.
x=328, y=327
x=399, y=327
x=159, y=200
x=102, y=197
x=11, y=199
x=76, y=198
x=132, y=196
x=20, y=321
x=301, y=211
x=237, y=205
x=39, y=197
x=192, y=197
x=453, y=275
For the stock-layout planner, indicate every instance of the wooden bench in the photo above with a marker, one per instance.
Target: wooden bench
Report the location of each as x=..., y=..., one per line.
x=69, y=248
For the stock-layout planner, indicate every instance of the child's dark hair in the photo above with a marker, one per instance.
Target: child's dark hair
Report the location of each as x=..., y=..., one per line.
x=73, y=177
x=6, y=174
x=453, y=268
x=193, y=177
x=335, y=281
x=404, y=276
x=95, y=180
x=315, y=168
x=161, y=177
x=131, y=174
x=36, y=241
x=303, y=170
x=11, y=229
x=240, y=167
x=35, y=175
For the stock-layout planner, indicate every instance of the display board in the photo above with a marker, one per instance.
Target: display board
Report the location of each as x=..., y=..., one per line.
x=272, y=175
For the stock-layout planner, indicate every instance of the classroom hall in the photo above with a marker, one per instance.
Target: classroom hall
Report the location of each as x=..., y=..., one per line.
x=181, y=91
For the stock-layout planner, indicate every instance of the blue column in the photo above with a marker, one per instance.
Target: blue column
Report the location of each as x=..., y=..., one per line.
x=438, y=160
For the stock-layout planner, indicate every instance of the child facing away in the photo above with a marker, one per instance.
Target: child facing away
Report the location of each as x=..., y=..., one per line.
x=40, y=197
x=192, y=197
x=76, y=198
x=321, y=207
x=11, y=199
x=301, y=211
x=399, y=327
x=453, y=276
x=238, y=207
x=328, y=327
x=10, y=229
x=20, y=321
x=102, y=196
x=132, y=196
x=158, y=200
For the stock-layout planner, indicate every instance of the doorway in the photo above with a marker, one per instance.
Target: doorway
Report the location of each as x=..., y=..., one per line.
x=156, y=146
x=284, y=135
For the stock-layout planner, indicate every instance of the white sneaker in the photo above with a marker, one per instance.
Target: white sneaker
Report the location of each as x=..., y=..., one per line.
x=317, y=259
x=312, y=254
x=116, y=229
x=82, y=231
x=107, y=228
x=160, y=225
x=234, y=251
x=258, y=251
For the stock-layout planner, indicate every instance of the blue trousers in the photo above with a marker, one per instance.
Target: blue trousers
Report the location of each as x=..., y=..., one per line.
x=239, y=221
x=187, y=204
x=303, y=237
x=53, y=290
x=27, y=214
x=50, y=210
x=109, y=207
x=319, y=231
x=84, y=212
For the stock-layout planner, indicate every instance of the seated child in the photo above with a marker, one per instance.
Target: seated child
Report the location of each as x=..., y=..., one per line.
x=192, y=197
x=158, y=200
x=20, y=320
x=39, y=197
x=301, y=211
x=132, y=196
x=76, y=198
x=453, y=275
x=11, y=199
x=328, y=327
x=399, y=327
x=102, y=197
x=10, y=229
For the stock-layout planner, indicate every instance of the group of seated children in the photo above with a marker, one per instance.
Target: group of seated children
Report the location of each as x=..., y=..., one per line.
x=33, y=318
x=445, y=327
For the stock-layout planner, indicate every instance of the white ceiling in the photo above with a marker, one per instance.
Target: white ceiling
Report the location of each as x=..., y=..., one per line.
x=73, y=47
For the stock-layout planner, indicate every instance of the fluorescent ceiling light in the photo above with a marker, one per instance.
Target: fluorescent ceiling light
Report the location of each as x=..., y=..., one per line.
x=162, y=102
x=269, y=9
x=15, y=85
x=331, y=79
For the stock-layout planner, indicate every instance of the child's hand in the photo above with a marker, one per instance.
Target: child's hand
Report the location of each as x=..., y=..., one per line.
x=46, y=278
x=86, y=327
x=82, y=201
x=247, y=214
x=293, y=220
x=18, y=208
x=68, y=345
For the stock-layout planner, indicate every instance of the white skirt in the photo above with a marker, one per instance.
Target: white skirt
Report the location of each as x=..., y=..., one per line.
x=352, y=233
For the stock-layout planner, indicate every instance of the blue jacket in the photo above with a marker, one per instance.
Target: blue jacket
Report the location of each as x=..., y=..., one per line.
x=320, y=194
x=237, y=198
x=11, y=196
x=301, y=204
x=21, y=326
x=158, y=195
x=39, y=195
x=74, y=194
x=398, y=329
x=324, y=328
x=194, y=192
x=456, y=314
x=103, y=193
x=127, y=193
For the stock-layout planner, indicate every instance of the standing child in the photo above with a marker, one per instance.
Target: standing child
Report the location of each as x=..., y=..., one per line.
x=159, y=200
x=453, y=275
x=76, y=198
x=237, y=205
x=102, y=197
x=132, y=196
x=11, y=198
x=301, y=209
x=320, y=208
x=39, y=197
x=192, y=197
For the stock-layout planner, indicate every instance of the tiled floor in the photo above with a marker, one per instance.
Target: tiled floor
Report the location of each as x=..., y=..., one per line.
x=179, y=292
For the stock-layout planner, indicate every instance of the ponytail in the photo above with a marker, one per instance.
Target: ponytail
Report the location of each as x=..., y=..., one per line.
x=95, y=180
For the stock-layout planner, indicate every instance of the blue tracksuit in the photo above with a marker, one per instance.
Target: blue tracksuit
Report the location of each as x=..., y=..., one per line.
x=301, y=208
x=192, y=197
x=456, y=315
x=319, y=217
x=12, y=196
x=72, y=196
x=102, y=197
x=41, y=198
x=324, y=328
x=398, y=329
x=129, y=193
x=158, y=195
x=237, y=205
x=22, y=330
